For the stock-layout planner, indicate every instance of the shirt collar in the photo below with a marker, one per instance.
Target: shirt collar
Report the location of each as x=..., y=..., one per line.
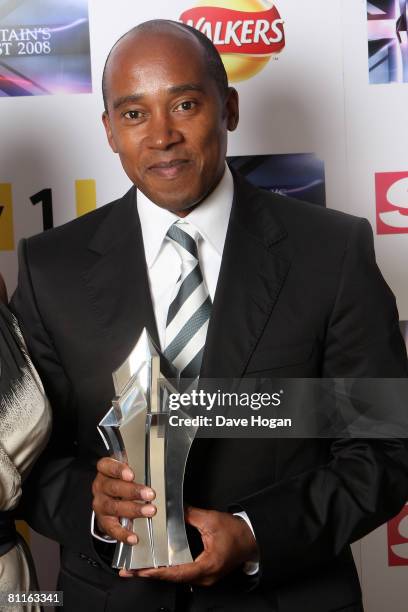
x=210, y=218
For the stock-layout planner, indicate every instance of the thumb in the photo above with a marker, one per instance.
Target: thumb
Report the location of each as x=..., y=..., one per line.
x=197, y=517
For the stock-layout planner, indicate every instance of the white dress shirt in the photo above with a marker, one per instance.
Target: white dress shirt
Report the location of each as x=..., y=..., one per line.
x=211, y=220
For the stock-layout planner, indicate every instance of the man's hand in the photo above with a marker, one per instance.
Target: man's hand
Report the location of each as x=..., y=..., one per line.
x=228, y=543
x=116, y=496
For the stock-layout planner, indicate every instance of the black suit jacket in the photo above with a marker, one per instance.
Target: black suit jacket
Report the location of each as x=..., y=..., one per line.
x=299, y=294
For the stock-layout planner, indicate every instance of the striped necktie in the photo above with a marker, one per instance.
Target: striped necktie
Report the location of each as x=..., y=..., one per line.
x=189, y=312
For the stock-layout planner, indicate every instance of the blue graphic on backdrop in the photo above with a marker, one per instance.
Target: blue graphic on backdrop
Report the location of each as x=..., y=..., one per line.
x=388, y=41
x=299, y=175
x=44, y=47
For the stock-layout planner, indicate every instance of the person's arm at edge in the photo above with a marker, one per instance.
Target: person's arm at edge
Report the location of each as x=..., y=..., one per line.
x=57, y=497
x=3, y=290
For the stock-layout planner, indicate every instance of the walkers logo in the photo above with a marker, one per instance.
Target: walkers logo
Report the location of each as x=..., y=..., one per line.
x=247, y=33
x=392, y=202
x=398, y=539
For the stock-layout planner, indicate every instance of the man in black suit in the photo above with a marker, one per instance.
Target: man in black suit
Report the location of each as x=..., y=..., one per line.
x=296, y=293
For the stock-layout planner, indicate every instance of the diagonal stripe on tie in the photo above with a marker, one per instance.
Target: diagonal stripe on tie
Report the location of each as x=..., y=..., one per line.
x=190, y=371
x=189, y=329
x=189, y=284
x=193, y=303
x=183, y=239
x=192, y=348
x=190, y=310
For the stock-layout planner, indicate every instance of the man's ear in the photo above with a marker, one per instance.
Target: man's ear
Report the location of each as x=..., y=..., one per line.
x=232, y=109
x=108, y=129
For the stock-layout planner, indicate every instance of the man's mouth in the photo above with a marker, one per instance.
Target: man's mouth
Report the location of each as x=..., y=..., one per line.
x=169, y=169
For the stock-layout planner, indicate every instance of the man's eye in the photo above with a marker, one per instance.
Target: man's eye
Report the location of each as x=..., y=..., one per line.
x=133, y=114
x=185, y=106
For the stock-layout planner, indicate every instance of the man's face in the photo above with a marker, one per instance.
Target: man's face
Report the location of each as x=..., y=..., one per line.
x=166, y=118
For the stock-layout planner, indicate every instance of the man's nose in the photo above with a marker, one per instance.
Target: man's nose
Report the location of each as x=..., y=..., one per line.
x=163, y=132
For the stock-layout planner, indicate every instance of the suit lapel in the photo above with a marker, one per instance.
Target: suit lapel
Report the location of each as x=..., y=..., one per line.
x=253, y=270
x=254, y=267
x=117, y=278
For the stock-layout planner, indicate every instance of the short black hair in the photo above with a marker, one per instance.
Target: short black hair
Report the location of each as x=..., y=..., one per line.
x=213, y=60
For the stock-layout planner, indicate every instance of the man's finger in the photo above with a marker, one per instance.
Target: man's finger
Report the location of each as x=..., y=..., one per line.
x=126, y=573
x=104, y=505
x=115, y=469
x=178, y=573
x=110, y=525
x=126, y=490
x=192, y=573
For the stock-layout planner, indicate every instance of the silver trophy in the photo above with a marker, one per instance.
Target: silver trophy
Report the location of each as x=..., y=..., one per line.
x=136, y=430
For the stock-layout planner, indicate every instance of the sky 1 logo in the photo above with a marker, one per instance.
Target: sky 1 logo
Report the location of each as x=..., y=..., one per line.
x=392, y=202
x=85, y=199
x=398, y=539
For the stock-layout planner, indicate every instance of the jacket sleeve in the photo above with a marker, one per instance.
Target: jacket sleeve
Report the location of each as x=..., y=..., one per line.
x=304, y=521
x=57, y=497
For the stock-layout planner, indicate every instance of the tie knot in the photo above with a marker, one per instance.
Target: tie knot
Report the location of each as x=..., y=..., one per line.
x=185, y=236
